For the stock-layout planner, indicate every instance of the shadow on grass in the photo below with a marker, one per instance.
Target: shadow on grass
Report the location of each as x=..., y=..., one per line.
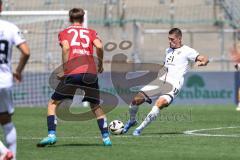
x=78, y=145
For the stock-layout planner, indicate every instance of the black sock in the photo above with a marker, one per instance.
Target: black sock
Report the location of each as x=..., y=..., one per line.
x=51, y=124
x=102, y=124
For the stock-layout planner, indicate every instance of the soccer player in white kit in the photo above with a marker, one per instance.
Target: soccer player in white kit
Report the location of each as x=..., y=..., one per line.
x=178, y=59
x=10, y=35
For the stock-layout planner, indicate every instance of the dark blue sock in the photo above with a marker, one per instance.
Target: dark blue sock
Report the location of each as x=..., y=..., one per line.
x=51, y=124
x=102, y=124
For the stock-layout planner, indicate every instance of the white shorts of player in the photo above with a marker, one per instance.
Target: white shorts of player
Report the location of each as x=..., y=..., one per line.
x=6, y=100
x=167, y=89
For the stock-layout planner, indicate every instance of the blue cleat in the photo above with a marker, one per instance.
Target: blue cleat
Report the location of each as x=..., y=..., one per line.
x=106, y=140
x=128, y=125
x=137, y=132
x=47, y=141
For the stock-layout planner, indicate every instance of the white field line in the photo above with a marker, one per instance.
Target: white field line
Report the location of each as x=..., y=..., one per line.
x=196, y=132
x=184, y=134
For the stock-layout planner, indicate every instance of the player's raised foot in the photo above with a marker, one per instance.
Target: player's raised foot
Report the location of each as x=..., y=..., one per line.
x=137, y=132
x=128, y=125
x=106, y=140
x=47, y=141
x=7, y=156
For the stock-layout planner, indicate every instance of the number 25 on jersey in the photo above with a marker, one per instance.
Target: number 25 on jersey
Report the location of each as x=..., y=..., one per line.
x=82, y=34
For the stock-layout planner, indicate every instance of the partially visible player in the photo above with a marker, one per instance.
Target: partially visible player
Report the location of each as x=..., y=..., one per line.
x=10, y=35
x=80, y=69
x=177, y=62
x=235, y=55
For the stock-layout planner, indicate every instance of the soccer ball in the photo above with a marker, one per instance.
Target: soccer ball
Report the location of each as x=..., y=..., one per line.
x=116, y=127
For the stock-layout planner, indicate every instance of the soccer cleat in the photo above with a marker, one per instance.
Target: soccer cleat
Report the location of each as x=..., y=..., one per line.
x=106, y=140
x=128, y=125
x=137, y=132
x=147, y=98
x=7, y=156
x=49, y=140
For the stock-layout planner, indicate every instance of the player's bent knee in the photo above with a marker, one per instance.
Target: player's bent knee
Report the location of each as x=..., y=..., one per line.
x=97, y=110
x=94, y=106
x=138, y=100
x=161, y=102
x=53, y=103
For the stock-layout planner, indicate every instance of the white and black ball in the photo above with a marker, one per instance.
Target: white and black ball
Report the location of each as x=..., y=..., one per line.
x=115, y=127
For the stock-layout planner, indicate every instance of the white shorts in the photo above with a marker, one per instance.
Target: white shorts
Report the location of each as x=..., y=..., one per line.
x=163, y=89
x=170, y=96
x=6, y=101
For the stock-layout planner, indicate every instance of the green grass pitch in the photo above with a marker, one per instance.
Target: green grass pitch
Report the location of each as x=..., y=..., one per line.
x=163, y=139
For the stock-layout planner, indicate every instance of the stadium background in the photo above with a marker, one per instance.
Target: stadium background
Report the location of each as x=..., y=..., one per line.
x=188, y=131
x=209, y=26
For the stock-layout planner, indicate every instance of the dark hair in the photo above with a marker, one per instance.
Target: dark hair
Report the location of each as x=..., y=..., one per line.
x=0, y=2
x=76, y=15
x=176, y=31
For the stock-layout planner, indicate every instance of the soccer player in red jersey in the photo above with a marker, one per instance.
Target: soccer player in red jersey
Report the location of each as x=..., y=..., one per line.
x=80, y=70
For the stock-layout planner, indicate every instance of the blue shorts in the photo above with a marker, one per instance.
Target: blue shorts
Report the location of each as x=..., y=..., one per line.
x=85, y=81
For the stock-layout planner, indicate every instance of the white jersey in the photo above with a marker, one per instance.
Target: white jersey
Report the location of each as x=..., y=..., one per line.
x=178, y=61
x=9, y=35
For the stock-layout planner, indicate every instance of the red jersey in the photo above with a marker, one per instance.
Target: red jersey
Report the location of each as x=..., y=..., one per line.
x=80, y=58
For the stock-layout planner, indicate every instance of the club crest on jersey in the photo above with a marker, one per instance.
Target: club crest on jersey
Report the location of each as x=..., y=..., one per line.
x=179, y=52
x=20, y=34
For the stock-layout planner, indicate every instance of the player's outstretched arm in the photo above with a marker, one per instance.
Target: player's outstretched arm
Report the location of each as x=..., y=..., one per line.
x=23, y=47
x=99, y=49
x=202, y=60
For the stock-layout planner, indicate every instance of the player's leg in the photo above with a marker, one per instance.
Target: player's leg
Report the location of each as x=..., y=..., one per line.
x=5, y=154
x=62, y=92
x=3, y=148
x=10, y=136
x=51, y=116
x=51, y=124
x=6, y=111
x=162, y=101
x=238, y=106
x=139, y=99
x=92, y=95
x=102, y=123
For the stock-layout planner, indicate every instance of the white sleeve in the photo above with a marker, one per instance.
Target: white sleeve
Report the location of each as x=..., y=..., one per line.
x=17, y=36
x=192, y=55
x=164, y=56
